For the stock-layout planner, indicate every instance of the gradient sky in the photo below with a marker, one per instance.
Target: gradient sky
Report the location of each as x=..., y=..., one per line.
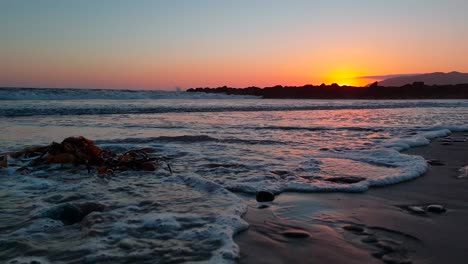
x=144, y=44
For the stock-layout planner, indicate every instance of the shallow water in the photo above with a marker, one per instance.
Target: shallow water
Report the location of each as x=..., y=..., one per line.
x=215, y=147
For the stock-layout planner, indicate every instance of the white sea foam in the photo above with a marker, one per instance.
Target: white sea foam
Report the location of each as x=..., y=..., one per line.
x=147, y=218
x=463, y=172
x=419, y=140
x=376, y=168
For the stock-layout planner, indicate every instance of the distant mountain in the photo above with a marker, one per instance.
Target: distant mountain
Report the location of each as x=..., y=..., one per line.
x=436, y=78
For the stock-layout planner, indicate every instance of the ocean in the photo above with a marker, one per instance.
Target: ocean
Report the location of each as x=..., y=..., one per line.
x=217, y=146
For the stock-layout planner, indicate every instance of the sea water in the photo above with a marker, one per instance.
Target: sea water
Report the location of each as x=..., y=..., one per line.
x=216, y=145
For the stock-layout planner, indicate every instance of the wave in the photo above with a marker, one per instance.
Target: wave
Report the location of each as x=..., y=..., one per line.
x=317, y=128
x=87, y=94
x=66, y=108
x=187, y=139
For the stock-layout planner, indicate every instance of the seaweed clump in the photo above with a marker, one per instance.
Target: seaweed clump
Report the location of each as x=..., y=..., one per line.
x=79, y=151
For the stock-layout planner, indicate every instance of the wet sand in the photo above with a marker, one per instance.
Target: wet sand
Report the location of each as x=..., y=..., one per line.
x=371, y=227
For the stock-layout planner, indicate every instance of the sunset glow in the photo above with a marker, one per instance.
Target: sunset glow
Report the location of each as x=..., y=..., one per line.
x=163, y=45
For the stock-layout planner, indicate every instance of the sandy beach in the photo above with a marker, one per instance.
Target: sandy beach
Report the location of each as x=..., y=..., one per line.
x=383, y=225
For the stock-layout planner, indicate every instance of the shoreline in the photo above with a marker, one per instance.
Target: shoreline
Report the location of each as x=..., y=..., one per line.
x=371, y=227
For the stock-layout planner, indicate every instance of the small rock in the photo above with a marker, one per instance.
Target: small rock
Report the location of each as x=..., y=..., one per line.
x=436, y=208
x=263, y=206
x=446, y=144
x=353, y=228
x=265, y=196
x=296, y=233
x=72, y=213
x=324, y=149
x=67, y=213
x=416, y=209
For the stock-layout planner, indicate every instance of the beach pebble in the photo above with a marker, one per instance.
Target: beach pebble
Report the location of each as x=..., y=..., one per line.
x=416, y=209
x=296, y=233
x=353, y=228
x=265, y=196
x=436, y=208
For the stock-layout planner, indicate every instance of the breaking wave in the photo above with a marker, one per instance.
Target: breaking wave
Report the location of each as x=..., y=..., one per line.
x=105, y=94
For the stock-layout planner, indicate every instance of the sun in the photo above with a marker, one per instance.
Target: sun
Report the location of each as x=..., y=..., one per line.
x=346, y=77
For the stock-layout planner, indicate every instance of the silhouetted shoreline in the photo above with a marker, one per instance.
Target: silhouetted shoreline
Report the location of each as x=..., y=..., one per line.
x=416, y=90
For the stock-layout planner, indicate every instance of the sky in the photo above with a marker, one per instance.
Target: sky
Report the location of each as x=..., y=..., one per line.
x=151, y=44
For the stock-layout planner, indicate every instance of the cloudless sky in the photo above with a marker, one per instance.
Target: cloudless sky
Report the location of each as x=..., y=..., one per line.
x=150, y=44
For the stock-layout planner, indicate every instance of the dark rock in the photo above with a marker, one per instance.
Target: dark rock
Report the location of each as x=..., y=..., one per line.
x=324, y=149
x=265, y=196
x=72, y=213
x=263, y=206
x=346, y=180
x=296, y=233
x=353, y=228
x=416, y=209
x=67, y=213
x=435, y=208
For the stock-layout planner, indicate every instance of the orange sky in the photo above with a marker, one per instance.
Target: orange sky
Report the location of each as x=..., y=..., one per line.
x=159, y=45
